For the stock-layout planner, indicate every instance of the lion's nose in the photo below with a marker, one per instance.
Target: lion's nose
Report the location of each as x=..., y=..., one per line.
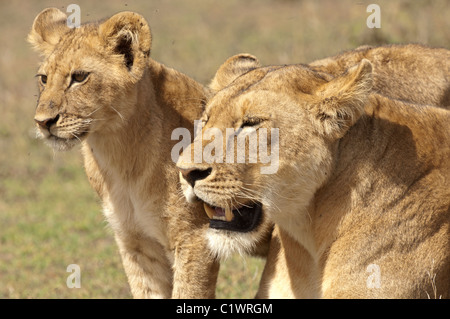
x=191, y=175
x=47, y=122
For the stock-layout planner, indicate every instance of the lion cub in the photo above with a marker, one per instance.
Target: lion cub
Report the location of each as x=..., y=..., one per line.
x=99, y=88
x=362, y=190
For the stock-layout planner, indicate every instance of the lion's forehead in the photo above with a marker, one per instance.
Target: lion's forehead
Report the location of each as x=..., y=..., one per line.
x=77, y=49
x=256, y=102
x=238, y=97
x=271, y=91
x=227, y=110
x=287, y=79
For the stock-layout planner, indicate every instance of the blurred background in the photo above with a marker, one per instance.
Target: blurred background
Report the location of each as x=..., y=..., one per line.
x=51, y=218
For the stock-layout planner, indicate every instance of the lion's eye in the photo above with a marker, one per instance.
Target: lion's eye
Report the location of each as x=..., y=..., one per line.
x=78, y=77
x=43, y=79
x=251, y=121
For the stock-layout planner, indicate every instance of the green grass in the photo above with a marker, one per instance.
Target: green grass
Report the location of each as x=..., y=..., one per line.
x=49, y=215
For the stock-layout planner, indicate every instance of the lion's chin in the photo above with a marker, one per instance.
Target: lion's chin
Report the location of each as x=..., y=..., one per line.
x=224, y=243
x=63, y=144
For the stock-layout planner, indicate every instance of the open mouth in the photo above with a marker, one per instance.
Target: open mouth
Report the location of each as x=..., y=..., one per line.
x=243, y=219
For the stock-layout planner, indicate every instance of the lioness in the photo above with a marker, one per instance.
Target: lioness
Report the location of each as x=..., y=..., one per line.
x=362, y=190
x=99, y=87
x=411, y=72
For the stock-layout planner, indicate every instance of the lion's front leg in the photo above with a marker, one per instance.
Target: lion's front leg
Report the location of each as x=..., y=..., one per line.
x=148, y=269
x=290, y=271
x=195, y=269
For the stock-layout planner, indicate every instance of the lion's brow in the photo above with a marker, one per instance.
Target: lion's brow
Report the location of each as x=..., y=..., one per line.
x=247, y=86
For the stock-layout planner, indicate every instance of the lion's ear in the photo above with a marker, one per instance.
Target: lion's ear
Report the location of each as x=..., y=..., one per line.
x=128, y=34
x=340, y=102
x=232, y=68
x=48, y=28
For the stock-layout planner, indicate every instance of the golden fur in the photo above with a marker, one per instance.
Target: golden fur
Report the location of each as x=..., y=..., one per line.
x=98, y=87
x=363, y=182
x=411, y=72
x=223, y=243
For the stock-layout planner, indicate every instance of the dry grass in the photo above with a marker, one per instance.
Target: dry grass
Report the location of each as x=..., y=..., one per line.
x=49, y=216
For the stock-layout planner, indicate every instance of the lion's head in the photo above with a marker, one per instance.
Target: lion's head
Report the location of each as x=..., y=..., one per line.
x=86, y=81
x=286, y=129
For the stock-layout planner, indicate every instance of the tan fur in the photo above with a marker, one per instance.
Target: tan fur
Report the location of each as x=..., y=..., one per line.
x=363, y=182
x=224, y=243
x=123, y=114
x=410, y=72
x=232, y=68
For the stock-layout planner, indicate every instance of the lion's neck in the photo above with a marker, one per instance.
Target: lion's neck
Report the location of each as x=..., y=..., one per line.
x=127, y=142
x=378, y=161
